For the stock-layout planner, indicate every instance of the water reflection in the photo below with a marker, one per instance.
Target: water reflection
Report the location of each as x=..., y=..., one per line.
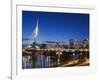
x=52, y=59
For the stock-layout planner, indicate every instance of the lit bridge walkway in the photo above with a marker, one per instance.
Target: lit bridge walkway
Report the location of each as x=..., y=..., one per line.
x=30, y=50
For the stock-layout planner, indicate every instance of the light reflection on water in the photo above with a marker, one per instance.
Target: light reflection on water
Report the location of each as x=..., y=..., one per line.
x=42, y=61
x=46, y=61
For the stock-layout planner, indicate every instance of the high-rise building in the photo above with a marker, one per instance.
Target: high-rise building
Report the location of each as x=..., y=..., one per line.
x=78, y=44
x=71, y=43
x=86, y=43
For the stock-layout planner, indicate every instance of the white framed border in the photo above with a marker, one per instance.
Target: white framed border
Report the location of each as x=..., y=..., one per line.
x=19, y=74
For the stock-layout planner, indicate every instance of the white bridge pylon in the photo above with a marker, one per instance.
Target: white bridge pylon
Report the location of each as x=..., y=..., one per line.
x=34, y=34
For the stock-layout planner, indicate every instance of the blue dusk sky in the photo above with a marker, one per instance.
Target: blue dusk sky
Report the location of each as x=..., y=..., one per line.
x=55, y=26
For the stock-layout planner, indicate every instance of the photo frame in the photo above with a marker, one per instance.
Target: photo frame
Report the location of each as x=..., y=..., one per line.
x=28, y=74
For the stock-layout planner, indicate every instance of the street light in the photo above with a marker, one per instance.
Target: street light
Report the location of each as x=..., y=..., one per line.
x=73, y=57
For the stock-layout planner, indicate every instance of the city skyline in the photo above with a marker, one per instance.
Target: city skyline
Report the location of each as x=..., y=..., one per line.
x=54, y=26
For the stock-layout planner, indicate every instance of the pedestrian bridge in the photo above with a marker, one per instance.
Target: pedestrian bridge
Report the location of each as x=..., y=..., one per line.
x=30, y=50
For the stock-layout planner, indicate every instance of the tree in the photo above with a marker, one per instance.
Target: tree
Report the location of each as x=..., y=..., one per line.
x=43, y=46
